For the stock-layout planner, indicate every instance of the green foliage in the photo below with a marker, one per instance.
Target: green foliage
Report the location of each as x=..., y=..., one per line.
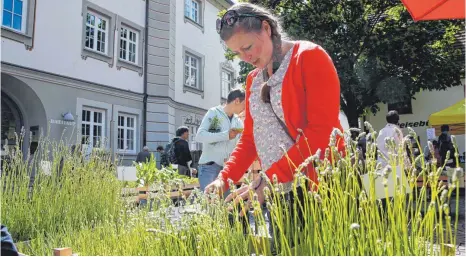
x=221, y=13
x=55, y=191
x=244, y=69
x=148, y=173
x=214, y=123
x=82, y=207
x=229, y=55
x=380, y=53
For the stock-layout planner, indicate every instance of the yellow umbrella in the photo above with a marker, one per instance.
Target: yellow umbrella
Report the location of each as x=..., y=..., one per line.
x=453, y=116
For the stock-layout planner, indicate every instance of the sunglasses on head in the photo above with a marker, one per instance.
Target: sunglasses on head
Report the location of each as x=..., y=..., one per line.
x=230, y=18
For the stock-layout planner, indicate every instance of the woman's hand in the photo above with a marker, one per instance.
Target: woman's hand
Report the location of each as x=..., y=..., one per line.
x=216, y=186
x=243, y=193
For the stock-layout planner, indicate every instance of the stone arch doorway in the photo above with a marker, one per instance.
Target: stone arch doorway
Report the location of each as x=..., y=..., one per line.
x=12, y=121
x=23, y=109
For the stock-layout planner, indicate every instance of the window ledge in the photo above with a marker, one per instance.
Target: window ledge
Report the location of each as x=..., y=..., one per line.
x=193, y=90
x=129, y=65
x=96, y=55
x=17, y=36
x=127, y=153
x=189, y=20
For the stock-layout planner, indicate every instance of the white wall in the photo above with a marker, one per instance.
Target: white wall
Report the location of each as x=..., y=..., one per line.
x=426, y=103
x=57, y=43
x=206, y=43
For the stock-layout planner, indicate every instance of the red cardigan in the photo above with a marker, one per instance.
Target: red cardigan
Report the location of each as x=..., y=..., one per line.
x=311, y=102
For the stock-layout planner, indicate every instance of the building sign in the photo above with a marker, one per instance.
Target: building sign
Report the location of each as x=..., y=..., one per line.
x=62, y=122
x=416, y=124
x=192, y=120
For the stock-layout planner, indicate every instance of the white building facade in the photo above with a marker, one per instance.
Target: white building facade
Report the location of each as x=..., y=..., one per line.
x=187, y=72
x=117, y=74
x=76, y=68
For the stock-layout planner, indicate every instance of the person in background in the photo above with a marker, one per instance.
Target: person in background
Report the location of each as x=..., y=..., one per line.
x=162, y=157
x=412, y=152
x=181, y=151
x=428, y=154
x=445, y=146
x=391, y=130
x=218, y=145
x=144, y=155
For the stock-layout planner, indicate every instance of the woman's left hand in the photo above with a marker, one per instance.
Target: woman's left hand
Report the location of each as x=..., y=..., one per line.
x=257, y=186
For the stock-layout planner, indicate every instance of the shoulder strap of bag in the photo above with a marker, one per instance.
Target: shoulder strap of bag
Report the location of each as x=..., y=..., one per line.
x=282, y=123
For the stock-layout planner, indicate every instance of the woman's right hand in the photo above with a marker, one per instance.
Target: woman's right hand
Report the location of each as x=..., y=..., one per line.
x=216, y=186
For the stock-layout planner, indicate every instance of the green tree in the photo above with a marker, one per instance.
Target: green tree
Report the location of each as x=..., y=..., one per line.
x=244, y=69
x=380, y=53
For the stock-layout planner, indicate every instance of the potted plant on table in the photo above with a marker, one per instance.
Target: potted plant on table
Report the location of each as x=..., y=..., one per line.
x=214, y=124
x=146, y=174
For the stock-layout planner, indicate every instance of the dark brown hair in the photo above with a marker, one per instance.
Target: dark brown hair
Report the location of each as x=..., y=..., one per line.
x=254, y=24
x=236, y=93
x=392, y=117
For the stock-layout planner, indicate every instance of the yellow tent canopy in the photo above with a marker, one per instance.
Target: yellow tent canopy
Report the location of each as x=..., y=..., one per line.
x=453, y=116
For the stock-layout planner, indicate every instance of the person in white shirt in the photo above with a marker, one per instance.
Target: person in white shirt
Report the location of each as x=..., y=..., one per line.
x=219, y=133
x=391, y=130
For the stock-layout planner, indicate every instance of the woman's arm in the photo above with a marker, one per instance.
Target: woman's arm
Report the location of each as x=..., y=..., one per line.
x=245, y=151
x=322, y=107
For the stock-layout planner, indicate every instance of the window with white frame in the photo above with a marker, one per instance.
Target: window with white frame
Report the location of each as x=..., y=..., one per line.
x=126, y=134
x=129, y=45
x=92, y=127
x=227, y=78
x=97, y=28
x=18, y=18
x=192, y=10
x=15, y=15
x=192, y=65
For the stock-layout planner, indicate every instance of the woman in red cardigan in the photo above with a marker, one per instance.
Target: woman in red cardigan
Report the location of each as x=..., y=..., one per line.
x=293, y=94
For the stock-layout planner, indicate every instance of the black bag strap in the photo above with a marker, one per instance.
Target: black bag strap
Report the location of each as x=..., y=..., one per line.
x=282, y=123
